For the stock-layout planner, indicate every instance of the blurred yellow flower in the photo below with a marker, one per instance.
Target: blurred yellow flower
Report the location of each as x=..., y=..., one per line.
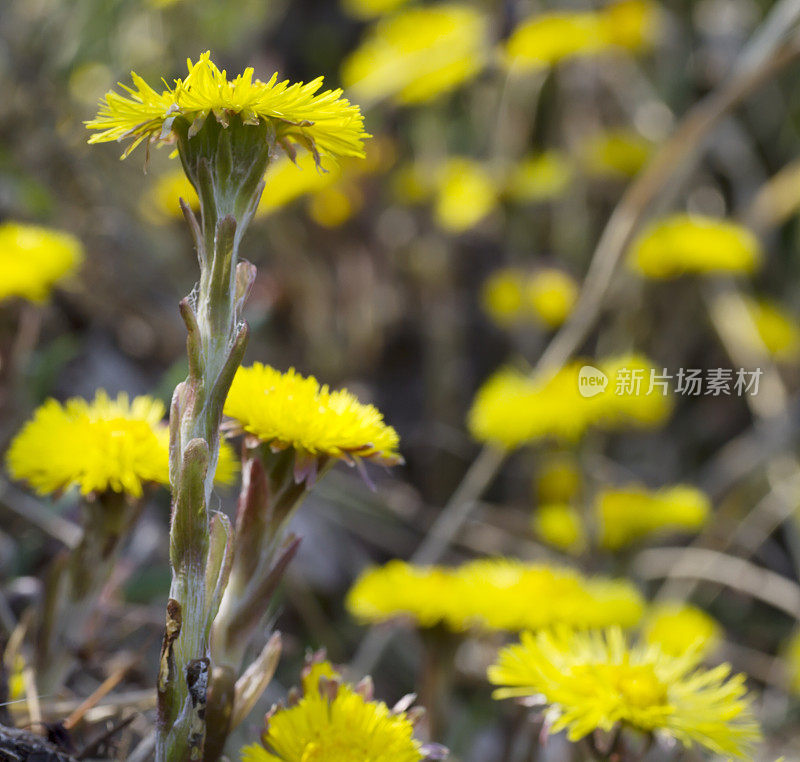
x=332, y=207
x=616, y=153
x=626, y=515
x=598, y=681
x=686, y=243
x=160, y=204
x=108, y=444
x=370, y=9
x=551, y=294
x=547, y=39
x=539, y=177
x=558, y=479
x=791, y=653
x=492, y=594
x=512, y=409
x=288, y=410
x=511, y=295
x=413, y=182
x=631, y=24
x=503, y=296
x=33, y=259
x=326, y=123
x=560, y=525
x=418, y=54
x=466, y=193
x=777, y=329
x=334, y=722
x=677, y=628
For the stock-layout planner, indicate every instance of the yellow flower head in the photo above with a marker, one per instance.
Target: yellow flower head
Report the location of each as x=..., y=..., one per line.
x=108, y=444
x=615, y=153
x=778, y=330
x=512, y=409
x=288, y=410
x=539, y=177
x=465, y=195
x=677, y=628
x=549, y=38
x=551, y=294
x=332, y=721
x=558, y=479
x=33, y=259
x=686, y=243
x=324, y=122
x=627, y=515
x=418, y=54
x=560, y=525
x=598, y=681
x=492, y=594
x=503, y=296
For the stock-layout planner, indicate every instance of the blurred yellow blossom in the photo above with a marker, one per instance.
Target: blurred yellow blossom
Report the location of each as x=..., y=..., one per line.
x=331, y=207
x=503, y=295
x=616, y=153
x=558, y=479
x=493, y=594
x=684, y=243
x=418, y=54
x=289, y=410
x=466, y=193
x=547, y=39
x=33, y=259
x=551, y=294
x=512, y=409
x=160, y=203
x=106, y=444
x=778, y=329
x=678, y=627
x=598, y=681
x=631, y=24
x=560, y=525
x=791, y=653
x=539, y=177
x=626, y=515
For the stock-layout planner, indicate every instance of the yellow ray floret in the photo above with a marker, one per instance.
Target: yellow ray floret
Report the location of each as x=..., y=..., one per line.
x=597, y=681
x=334, y=722
x=492, y=594
x=290, y=410
x=299, y=113
x=684, y=243
x=107, y=444
x=33, y=259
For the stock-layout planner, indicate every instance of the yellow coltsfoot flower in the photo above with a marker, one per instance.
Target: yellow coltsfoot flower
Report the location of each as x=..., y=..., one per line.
x=694, y=244
x=331, y=721
x=290, y=411
x=418, y=54
x=33, y=259
x=492, y=594
x=103, y=445
x=323, y=122
x=678, y=627
x=597, y=681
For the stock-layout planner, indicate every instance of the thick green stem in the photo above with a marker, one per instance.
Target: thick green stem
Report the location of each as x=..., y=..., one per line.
x=225, y=165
